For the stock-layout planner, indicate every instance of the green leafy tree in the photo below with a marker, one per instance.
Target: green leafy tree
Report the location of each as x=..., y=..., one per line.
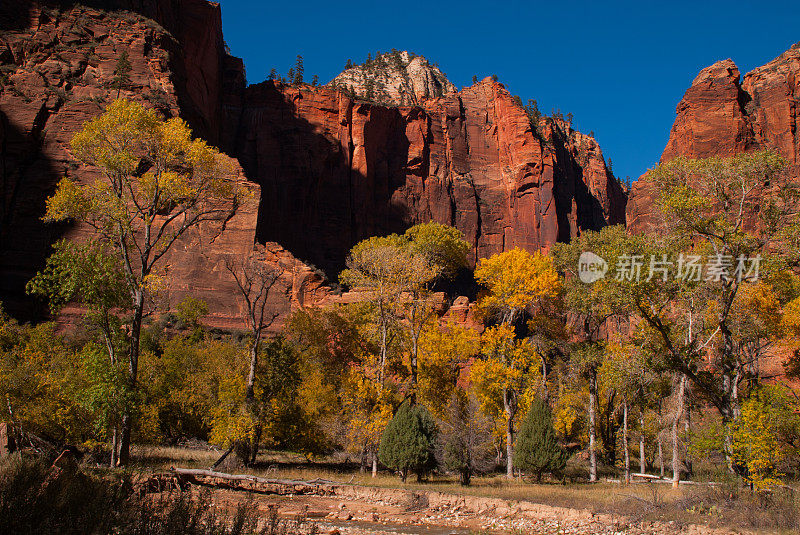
x=408, y=443
x=537, y=449
x=729, y=210
x=593, y=309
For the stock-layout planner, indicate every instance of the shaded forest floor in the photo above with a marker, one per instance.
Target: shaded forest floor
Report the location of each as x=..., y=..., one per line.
x=492, y=504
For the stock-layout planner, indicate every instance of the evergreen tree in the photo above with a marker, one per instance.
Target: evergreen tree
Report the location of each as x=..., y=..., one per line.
x=298, y=70
x=290, y=76
x=273, y=75
x=532, y=109
x=348, y=64
x=122, y=72
x=369, y=90
x=537, y=449
x=474, y=78
x=315, y=81
x=408, y=442
x=494, y=78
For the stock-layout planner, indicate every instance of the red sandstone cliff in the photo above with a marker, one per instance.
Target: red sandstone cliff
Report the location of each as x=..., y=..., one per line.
x=334, y=170
x=722, y=114
x=55, y=68
x=331, y=170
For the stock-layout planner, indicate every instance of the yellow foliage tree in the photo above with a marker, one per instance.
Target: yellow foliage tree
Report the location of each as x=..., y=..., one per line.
x=763, y=436
x=154, y=183
x=516, y=279
x=444, y=351
x=505, y=381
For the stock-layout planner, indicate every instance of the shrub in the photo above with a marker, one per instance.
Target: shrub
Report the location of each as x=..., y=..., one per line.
x=408, y=442
x=36, y=497
x=537, y=449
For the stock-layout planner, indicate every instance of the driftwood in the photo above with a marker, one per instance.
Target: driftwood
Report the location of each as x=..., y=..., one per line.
x=255, y=483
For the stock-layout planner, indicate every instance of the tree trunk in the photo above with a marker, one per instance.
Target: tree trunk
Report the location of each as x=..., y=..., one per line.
x=414, y=355
x=545, y=390
x=642, y=460
x=133, y=370
x=251, y=373
x=592, y=445
x=660, y=455
x=254, y=444
x=374, y=463
x=364, y=459
x=383, y=344
x=114, y=446
x=687, y=428
x=626, y=453
x=507, y=402
x=676, y=463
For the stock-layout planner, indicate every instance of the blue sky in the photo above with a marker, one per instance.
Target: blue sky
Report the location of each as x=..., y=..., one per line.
x=619, y=67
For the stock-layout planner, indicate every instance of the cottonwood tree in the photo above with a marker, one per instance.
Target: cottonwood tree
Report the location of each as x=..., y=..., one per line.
x=378, y=267
x=89, y=274
x=516, y=280
x=396, y=273
x=438, y=251
x=255, y=278
x=504, y=377
x=444, y=353
x=155, y=182
x=730, y=211
x=593, y=310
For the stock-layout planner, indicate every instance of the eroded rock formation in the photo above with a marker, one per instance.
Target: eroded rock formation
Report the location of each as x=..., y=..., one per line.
x=334, y=170
x=399, y=78
x=723, y=114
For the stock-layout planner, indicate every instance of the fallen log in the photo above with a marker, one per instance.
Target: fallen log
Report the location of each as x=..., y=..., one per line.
x=260, y=484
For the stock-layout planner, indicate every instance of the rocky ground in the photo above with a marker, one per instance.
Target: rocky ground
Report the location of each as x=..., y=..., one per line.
x=354, y=509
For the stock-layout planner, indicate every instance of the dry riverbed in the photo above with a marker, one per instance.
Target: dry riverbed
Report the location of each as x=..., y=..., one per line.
x=354, y=509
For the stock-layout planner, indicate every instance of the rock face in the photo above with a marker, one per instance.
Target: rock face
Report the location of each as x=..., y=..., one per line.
x=722, y=114
x=55, y=73
x=326, y=169
x=334, y=170
x=399, y=78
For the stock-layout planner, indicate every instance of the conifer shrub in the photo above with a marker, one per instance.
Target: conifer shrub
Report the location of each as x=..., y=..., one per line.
x=408, y=443
x=537, y=450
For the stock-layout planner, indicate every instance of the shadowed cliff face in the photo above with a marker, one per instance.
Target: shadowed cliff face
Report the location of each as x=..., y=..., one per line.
x=331, y=170
x=722, y=114
x=334, y=170
x=56, y=65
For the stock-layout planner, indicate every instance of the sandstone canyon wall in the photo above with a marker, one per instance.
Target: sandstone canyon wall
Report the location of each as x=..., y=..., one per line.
x=326, y=170
x=334, y=170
